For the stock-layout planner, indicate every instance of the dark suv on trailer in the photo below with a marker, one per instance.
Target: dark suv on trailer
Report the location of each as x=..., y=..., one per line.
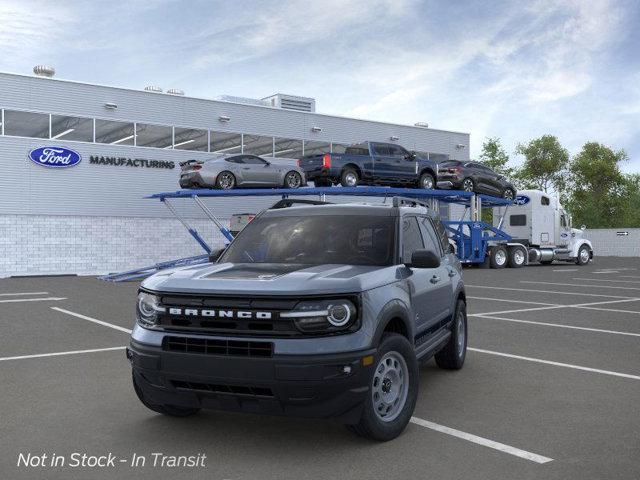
x=318, y=310
x=474, y=177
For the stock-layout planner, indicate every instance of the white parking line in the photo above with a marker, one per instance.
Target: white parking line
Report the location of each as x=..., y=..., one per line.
x=45, y=299
x=22, y=293
x=580, y=285
x=94, y=320
x=604, y=280
x=555, y=364
x=522, y=310
x=512, y=301
x=588, y=306
x=559, y=325
x=530, y=290
x=533, y=457
x=566, y=269
x=57, y=354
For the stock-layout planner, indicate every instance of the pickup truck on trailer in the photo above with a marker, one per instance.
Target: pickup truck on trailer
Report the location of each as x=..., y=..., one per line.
x=317, y=310
x=371, y=163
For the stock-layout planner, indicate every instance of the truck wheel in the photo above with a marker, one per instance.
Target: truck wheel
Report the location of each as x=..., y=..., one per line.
x=170, y=410
x=225, y=180
x=517, y=257
x=498, y=257
x=349, y=178
x=583, y=255
x=427, y=181
x=452, y=356
x=393, y=393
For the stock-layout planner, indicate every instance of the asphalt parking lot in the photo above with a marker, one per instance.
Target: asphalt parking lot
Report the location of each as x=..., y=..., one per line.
x=551, y=389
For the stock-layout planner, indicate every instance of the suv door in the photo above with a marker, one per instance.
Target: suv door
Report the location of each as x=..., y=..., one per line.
x=423, y=283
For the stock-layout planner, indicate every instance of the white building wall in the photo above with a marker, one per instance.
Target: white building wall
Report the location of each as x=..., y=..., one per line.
x=610, y=242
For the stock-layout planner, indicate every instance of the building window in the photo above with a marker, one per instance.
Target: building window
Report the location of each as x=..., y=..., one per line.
x=258, y=145
x=224, y=142
x=72, y=128
x=190, y=139
x=287, y=148
x=338, y=147
x=316, y=148
x=114, y=133
x=157, y=136
x=26, y=124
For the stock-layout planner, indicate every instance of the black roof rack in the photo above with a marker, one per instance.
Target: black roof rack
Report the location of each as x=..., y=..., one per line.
x=290, y=202
x=409, y=202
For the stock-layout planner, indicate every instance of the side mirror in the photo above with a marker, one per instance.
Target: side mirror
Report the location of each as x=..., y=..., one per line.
x=583, y=227
x=410, y=156
x=214, y=255
x=424, y=259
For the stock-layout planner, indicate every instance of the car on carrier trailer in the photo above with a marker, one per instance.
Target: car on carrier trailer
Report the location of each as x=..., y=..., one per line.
x=320, y=310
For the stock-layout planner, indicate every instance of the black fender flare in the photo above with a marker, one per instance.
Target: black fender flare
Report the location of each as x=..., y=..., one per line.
x=394, y=309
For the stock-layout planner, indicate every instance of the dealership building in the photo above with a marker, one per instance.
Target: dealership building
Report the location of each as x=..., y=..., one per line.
x=91, y=216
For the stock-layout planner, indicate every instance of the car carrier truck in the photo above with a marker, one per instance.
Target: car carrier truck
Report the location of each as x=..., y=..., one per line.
x=540, y=231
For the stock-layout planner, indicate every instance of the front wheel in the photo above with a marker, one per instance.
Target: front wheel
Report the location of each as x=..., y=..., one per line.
x=427, y=181
x=452, y=356
x=508, y=194
x=393, y=391
x=292, y=180
x=584, y=255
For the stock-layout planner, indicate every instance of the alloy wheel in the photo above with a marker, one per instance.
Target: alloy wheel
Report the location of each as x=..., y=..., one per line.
x=293, y=180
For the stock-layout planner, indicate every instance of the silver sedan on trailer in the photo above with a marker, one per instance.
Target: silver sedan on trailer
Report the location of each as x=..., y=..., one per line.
x=241, y=170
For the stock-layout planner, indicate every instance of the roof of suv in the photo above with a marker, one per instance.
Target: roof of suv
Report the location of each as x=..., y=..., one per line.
x=386, y=210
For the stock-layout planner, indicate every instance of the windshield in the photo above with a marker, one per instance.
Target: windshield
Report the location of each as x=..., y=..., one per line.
x=315, y=240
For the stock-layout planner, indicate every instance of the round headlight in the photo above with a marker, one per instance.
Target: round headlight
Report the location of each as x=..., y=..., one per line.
x=148, y=308
x=339, y=315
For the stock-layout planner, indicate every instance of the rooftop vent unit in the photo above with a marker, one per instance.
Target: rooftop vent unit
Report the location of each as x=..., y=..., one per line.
x=244, y=100
x=153, y=88
x=291, y=102
x=422, y=124
x=175, y=91
x=44, y=71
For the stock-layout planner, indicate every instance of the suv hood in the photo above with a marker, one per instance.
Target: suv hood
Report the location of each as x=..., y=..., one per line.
x=272, y=279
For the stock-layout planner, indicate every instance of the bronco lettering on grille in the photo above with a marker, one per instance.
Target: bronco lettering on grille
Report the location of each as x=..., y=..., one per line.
x=239, y=314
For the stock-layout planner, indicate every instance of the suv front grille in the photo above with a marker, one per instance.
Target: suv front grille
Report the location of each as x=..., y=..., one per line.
x=207, y=346
x=229, y=389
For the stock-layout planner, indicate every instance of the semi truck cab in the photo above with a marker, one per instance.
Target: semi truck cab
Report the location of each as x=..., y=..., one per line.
x=538, y=221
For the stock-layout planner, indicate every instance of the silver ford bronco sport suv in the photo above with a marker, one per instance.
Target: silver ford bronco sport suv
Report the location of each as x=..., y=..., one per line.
x=320, y=310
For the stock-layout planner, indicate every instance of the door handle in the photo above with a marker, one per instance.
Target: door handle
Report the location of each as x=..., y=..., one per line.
x=435, y=279
x=246, y=168
x=452, y=273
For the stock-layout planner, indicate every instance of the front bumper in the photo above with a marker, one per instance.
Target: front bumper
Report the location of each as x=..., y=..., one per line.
x=314, y=386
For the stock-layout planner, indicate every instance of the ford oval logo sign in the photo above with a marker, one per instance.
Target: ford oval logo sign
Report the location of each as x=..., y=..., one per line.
x=521, y=200
x=56, y=157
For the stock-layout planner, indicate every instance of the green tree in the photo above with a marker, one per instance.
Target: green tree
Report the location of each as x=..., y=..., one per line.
x=631, y=202
x=495, y=157
x=599, y=191
x=545, y=165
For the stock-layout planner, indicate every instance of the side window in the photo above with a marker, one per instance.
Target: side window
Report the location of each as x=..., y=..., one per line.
x=381, y=149
x=253, y=160
x=411, y=238
x=517, y=220
x=544, y=200
x=563, y=221
x=396, y=151
x=442, y=235
x=431, y=241
x=238, y=159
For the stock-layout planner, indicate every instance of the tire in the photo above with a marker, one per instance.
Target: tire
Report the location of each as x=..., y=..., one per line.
x=225, y=180
x=452, y=356
x=508, y=194
x=517, y=257
x=584, y=255
x=349, y=178
x=395, y=354
x=468, y=185
x=292, y=180
x=498, y=257
x=169, y=410
x=427, y=182
x=322, y=182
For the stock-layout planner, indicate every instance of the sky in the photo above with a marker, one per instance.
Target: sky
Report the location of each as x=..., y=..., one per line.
x=514, y=70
